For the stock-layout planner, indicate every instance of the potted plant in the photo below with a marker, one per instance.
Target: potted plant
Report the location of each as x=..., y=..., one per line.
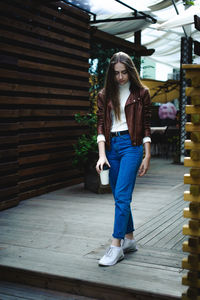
x=86, y=154
x=86, y=149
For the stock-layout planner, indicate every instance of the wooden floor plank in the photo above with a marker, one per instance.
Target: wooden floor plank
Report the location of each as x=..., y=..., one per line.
x=170, y=236
x=16, y=291
x=55, y=240
x=166, y=232
x=74, y=267
x=148, y=257
x=157, y=223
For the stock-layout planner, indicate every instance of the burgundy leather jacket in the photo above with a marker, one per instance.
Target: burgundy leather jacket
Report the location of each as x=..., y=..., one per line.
x=137, y=111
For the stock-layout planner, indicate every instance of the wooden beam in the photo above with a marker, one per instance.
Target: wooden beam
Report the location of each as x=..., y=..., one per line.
x=197, y=22
x=137, y=36
x=196, y=48
x=111, y=40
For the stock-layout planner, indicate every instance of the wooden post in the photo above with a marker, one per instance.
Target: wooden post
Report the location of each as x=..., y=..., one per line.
x=186, y=58
x=137, y=61
x=192, y=229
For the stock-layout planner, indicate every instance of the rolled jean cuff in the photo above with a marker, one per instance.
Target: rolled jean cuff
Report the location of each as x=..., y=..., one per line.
x=117, y=237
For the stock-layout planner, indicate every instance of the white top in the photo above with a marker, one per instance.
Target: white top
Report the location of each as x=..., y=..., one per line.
x=120, y=125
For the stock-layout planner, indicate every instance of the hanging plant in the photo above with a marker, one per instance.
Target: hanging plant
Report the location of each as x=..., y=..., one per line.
x=188, y=2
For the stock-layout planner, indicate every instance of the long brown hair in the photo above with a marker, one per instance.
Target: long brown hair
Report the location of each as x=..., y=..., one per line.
x=111, y=85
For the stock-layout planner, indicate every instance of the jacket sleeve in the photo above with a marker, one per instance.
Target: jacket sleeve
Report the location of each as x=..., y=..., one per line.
x=147, y=113
x=100, y=114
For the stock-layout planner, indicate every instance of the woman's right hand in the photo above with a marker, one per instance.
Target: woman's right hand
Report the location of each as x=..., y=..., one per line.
x=101, y=161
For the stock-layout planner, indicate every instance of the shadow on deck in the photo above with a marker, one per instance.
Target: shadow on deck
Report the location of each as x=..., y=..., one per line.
x=54, y=241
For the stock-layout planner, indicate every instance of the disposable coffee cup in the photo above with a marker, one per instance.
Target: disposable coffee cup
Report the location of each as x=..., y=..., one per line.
x=104, y=175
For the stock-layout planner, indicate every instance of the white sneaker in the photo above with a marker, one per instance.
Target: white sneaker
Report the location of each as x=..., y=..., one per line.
x=112, y=256
x=129, y=245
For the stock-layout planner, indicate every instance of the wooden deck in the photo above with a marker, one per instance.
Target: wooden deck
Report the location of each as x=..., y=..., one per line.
x=54, y=241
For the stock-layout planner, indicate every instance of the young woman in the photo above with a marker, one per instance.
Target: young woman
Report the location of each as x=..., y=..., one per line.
x=123, y=128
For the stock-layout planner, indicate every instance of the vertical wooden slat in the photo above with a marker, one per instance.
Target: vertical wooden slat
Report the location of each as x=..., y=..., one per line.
x=192, y=229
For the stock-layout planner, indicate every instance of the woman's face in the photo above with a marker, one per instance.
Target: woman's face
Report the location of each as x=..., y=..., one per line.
x=121, y=74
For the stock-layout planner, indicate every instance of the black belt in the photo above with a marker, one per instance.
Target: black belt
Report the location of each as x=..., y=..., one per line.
x=118, y=133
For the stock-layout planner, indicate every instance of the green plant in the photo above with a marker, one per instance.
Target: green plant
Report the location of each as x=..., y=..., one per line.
x=188, y=2
x=86, y=149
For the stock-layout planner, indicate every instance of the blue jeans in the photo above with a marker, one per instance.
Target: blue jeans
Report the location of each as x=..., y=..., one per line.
x=124, y=159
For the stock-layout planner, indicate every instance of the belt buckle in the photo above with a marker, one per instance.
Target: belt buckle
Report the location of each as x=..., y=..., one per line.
x=117, y=133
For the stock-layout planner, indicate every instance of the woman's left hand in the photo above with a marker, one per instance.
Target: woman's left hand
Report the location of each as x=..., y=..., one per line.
x=144, y=166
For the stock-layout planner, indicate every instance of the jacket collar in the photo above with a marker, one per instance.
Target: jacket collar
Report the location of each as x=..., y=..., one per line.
x=130, y=99
x=133, y=97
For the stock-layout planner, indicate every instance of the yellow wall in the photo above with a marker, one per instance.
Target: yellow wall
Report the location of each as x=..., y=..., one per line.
x=162, y=91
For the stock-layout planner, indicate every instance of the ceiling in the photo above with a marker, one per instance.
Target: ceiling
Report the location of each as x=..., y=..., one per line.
x=164, y=34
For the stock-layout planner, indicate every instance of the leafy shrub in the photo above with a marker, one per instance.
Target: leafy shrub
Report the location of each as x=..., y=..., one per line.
x=86, y=149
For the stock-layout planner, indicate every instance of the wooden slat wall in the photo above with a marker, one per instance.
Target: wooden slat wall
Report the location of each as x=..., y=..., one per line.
x=44, y=55
x=9, y=165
